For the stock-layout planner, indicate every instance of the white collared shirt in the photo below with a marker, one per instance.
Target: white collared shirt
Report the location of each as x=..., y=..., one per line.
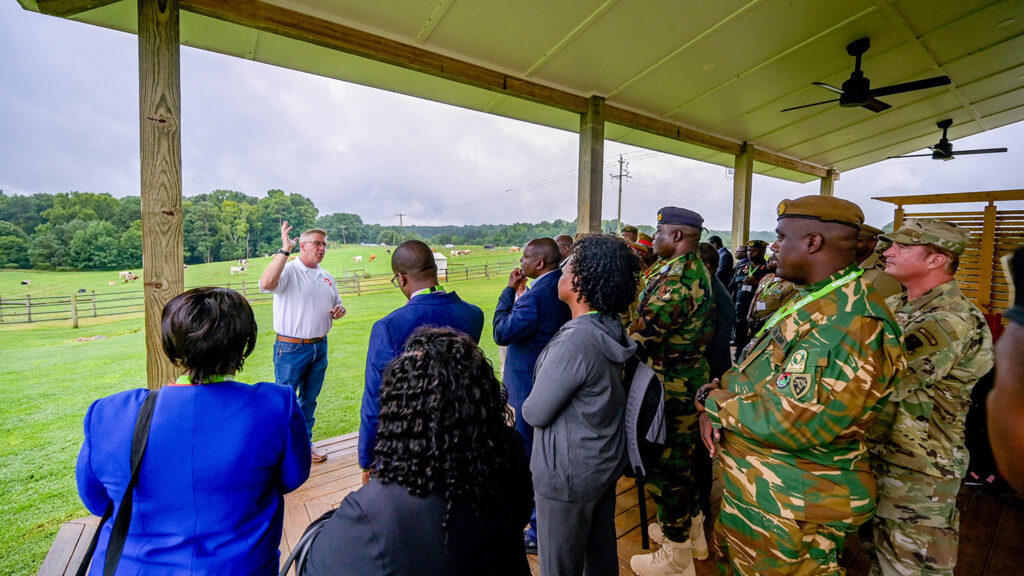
x=303, y=300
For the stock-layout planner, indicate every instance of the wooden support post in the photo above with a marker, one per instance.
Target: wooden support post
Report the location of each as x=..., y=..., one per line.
x=74, y=310
x=986, y=260
x=591, y=167
x=828, y=183
x=93, y=303
x=742, y=181
x=28, y=306
x=160, y=147
x=897, y=218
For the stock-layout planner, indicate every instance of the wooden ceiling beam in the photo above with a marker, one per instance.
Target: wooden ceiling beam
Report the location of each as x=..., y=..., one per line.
x=954, y=197
x=69, y=8
x=331, y=35
x=671, y=130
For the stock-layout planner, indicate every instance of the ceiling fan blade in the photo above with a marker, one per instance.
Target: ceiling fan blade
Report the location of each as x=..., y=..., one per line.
x=876, y=106
x=910, y=156
x=828, y=87
x=809, y=105
x=911, y=86
x=979, y=151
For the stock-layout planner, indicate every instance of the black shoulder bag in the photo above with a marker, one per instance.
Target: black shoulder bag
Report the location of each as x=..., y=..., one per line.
x=119, y=532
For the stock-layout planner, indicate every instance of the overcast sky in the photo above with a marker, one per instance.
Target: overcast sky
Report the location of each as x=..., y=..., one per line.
x=69, y=121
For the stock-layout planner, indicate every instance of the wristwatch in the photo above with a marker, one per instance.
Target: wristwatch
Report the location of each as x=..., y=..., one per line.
x=285, y=252
x=702, y=395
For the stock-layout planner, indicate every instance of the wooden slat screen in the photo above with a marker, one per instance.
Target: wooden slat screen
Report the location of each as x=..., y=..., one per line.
x=981, y=274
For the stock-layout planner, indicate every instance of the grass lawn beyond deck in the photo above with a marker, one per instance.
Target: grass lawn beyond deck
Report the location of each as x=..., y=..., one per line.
x=48, y=378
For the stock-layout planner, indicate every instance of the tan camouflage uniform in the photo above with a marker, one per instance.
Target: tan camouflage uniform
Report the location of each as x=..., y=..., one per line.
x=793, y=416
x=875, y=276
x=917, y=444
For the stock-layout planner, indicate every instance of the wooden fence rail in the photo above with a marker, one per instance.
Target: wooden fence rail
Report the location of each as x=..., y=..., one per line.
x=80, y=305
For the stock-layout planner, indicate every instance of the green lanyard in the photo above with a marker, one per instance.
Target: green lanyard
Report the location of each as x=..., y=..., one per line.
x=184, y=380
x=664, y=268
x=794, y=306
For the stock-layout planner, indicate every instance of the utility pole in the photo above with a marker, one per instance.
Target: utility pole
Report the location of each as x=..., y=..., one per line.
x=623, y=173
x=343, y=234
x=401, y=225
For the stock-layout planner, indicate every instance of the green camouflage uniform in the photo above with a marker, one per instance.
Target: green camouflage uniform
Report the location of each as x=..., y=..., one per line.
x=772, y=293
x=793, y=416
x=673, y=325
x=917, y=445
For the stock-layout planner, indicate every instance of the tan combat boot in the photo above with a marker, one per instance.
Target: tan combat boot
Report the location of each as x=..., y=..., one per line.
x=672, y=559
x=697, y=539
x=698, y=542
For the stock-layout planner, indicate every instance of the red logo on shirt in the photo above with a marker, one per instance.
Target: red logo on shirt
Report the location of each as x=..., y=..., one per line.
x=328, y=281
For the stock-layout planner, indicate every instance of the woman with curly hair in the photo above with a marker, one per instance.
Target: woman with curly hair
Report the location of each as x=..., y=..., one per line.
x=450, y=491
x=576, y=408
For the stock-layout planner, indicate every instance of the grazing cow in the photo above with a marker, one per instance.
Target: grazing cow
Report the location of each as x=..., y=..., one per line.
x=514, y=250
x=81, y=290
x=237, y=269
x=123, y=275
x=26, y=282
x=357, y=258
x=454, y=253
x=373, y=257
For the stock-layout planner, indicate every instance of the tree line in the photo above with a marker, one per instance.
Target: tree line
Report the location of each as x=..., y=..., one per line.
x=90, y=231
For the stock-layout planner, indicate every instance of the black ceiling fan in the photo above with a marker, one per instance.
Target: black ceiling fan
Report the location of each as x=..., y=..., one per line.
x=944, y=149
x=857, y=92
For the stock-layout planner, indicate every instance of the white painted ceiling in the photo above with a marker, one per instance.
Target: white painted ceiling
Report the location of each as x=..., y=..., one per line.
x=724, y=67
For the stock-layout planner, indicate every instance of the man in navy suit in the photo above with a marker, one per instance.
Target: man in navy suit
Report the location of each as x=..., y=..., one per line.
x=526, y=325
x=428, y=305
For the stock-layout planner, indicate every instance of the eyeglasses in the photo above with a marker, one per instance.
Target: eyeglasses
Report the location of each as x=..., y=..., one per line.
x=319, y=244
x=394, y=280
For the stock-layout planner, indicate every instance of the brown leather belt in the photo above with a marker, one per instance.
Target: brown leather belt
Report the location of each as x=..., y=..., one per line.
x=298, y=340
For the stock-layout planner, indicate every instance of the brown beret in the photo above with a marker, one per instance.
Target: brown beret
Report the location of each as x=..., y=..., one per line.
x=823, y=209
x=632, y=229
x=757, y=244
x=868, y=231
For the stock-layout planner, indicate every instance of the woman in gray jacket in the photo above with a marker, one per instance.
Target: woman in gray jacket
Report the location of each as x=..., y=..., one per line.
x=576, y=408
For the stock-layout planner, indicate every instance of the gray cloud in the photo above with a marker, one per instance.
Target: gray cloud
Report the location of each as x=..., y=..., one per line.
x=69, y=114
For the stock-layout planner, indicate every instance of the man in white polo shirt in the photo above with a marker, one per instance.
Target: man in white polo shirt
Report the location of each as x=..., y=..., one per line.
x=306, y=303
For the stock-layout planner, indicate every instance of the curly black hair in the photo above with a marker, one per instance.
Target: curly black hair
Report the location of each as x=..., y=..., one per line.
x=444, y=421
x=208, y=332
x=606, y=273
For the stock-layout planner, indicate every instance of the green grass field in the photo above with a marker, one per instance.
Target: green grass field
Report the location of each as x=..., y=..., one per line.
x=50, y=373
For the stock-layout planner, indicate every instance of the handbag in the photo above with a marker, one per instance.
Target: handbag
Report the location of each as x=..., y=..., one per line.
x=301, y=548
x=119, y=531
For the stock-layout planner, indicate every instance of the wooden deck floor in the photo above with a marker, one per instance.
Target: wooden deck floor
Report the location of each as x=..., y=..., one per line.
x=991, y=540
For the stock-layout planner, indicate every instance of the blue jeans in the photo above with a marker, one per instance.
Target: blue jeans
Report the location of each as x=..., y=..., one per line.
x=302, y=366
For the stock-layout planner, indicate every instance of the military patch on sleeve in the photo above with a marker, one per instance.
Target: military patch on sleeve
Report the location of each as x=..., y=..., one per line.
x=778, y=337
x=783, y=380
x=797, y=362
x=926, y=338
x=665, y=293
x=801, y=383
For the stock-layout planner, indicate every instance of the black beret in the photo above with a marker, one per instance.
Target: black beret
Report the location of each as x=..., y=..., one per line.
x=680, y=217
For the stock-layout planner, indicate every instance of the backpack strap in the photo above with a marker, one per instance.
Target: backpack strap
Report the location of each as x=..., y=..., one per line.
x=119, y=532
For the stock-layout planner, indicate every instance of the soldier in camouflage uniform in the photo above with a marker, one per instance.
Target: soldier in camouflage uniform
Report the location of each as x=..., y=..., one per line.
x=673, y=325
x=772, y=292
x=917, y=446
x=792, y=415
x=869, y=255
x=744, y=283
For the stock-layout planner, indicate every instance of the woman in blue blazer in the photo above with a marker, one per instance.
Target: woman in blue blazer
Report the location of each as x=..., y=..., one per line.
x=220, y=457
